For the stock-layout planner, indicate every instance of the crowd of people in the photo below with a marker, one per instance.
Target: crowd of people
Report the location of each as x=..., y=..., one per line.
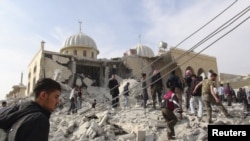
x=187, y=95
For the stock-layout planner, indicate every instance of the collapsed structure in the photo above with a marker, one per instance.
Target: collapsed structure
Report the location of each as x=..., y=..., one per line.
x=78, y=59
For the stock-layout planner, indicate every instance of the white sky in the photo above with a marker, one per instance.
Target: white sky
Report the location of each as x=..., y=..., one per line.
x=115, y=26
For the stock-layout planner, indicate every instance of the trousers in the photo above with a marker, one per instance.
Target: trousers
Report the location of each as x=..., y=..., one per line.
x=208, y=100
x=171, y=119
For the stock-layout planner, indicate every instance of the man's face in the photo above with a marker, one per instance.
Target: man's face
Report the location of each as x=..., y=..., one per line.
x=52, y=100
x=213, y=78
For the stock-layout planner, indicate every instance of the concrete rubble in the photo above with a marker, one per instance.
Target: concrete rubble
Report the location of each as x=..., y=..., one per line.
x=131, y=123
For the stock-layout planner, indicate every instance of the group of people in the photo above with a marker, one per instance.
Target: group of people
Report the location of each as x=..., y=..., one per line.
x=195, y=90
x=75, y=99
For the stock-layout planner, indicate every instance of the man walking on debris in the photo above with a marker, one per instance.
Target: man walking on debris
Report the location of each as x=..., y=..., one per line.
x=30, y=121
x=156, y=87
x=113, y=85
x=144, y=90
x=209, y=97
x=126, y=94
x=187, y=92
x=196, y=97
x=174, y=81
x=168, y=106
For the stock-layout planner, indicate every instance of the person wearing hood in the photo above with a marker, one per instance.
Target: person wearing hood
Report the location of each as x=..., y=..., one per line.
x=29, y=121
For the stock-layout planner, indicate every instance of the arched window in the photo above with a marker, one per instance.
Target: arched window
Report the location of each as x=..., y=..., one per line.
x=34, y=82
x=92, y=55
x=66, y=51
x=75, y=52
x=84, y=53
x=29, y=75
x=34, y=70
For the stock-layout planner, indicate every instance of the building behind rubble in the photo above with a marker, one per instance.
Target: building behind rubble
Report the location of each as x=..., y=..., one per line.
x=78, y=59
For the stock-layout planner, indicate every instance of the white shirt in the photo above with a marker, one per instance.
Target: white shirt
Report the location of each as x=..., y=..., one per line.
x=221, y=90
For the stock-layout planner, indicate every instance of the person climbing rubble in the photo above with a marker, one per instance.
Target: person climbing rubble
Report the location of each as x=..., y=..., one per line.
x=126, y=94
x=174, y=81
x=170, y=102
x=210, y=97
x=72, y=107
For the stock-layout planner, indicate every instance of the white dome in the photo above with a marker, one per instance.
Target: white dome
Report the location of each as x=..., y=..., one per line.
x=144, y=51
x=80, y=40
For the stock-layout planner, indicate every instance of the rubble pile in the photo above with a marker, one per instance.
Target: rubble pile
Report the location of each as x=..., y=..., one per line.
x=132, y=123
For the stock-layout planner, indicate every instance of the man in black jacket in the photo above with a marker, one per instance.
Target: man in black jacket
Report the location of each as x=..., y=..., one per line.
x=156, y=87
x=30, y=121
x=114, y=91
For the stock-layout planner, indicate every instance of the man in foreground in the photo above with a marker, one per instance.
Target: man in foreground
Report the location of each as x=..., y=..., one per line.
x=30, y=121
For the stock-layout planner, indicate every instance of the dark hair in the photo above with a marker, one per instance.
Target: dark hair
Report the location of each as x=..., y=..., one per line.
x=143, y=74
x=214, y=74
x=200, y=78
x=193, y=75
x=4, y=103
x=172, y=88
x=46, y=84
x=173, y=72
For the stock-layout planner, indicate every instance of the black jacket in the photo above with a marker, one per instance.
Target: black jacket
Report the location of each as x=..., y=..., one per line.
x=113, y=86
x=174, y=81
x=35, y=122
x=156, y=80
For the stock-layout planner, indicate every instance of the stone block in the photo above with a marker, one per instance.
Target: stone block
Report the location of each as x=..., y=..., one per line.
x=104, y=119
x=140, y=135
x=127, y=137
x=149, y=138
x=71, y=127
x=87, y=81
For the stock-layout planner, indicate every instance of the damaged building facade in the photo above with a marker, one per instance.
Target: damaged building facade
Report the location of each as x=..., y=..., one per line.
x=78, y=59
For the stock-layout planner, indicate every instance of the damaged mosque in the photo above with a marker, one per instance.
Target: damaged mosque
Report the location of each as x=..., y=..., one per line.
x=78, y=59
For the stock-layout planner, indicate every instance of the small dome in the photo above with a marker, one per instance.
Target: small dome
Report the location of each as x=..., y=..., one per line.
x=80, y=40
x=144, y=51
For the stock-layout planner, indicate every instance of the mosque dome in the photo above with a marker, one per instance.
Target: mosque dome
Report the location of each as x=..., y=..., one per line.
x=80, y=40
x=144, y=51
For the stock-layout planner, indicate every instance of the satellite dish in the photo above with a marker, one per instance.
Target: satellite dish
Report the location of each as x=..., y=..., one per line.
x=163, y=45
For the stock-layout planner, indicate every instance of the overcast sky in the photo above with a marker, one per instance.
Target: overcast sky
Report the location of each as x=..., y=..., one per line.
x=115, y=26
